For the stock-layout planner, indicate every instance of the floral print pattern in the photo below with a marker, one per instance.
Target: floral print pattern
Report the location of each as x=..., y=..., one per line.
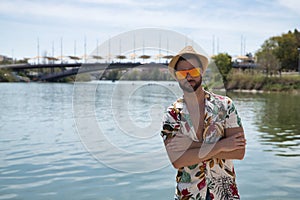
x=213, y=178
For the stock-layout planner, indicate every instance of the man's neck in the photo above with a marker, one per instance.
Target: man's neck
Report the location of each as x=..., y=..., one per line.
x=196, y=97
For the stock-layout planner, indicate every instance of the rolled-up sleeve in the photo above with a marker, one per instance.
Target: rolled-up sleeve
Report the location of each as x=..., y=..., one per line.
x=232, y=117
x=170, y=123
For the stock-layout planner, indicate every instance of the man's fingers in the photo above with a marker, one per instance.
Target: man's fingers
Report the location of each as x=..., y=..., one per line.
x=239, y=135
x=242, y=142
x=241, y=139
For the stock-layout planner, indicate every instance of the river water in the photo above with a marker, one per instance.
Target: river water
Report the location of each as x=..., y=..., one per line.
x=100, y=140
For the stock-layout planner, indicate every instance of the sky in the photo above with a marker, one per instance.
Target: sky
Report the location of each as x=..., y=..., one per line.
x=218, y=26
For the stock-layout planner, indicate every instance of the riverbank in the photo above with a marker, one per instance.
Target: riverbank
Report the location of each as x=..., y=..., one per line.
x=257, y=82
x=241, y=81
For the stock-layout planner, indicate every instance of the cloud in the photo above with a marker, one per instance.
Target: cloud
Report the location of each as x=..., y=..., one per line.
x=292, y=5
x=228, y=20
x=130, y=13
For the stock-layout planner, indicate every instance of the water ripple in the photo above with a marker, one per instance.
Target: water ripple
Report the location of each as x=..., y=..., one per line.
x=42, y=157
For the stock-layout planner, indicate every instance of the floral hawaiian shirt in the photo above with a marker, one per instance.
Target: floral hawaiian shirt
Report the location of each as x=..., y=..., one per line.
x=213, y=178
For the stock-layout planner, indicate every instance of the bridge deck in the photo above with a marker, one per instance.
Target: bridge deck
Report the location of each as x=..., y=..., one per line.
x=78, y=68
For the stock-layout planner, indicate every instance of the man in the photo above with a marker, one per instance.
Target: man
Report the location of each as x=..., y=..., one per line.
x=202, y=133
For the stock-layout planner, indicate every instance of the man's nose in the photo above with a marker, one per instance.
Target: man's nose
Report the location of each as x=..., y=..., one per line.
x=188, y=76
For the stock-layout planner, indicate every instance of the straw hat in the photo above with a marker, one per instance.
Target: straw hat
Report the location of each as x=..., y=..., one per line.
x=188, y=50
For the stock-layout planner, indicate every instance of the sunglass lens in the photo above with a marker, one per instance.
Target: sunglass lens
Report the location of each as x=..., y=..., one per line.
x=193, y=72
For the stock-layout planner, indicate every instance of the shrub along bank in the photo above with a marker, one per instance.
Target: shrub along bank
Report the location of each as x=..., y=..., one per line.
x=258, y=81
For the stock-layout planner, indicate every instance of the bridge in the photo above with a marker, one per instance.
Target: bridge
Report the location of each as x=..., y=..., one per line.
x=69, y=69
x=74, y=68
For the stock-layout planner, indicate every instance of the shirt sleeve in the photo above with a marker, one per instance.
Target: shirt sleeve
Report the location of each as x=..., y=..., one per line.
x=171, y=123
x=232, y=117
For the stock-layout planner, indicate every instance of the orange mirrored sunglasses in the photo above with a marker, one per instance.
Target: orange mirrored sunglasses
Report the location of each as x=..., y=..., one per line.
x=181, y=74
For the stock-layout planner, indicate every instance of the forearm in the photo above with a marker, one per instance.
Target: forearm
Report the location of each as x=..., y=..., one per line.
x=194, y=155
x=195, y=145
x=233, y=155
x=236, y=154
x=232, y=147
x=207, y=151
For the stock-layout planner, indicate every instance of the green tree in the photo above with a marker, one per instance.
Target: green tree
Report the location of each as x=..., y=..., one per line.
x=155, y=74
x=287, y=51
x=267, y=61
x=6, y=76
x=114, y=75
x=284, y=48
x=224, y=64
x=132, y=75
x=144, y=75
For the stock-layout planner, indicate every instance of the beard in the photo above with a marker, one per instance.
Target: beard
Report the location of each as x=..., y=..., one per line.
x=187, y=87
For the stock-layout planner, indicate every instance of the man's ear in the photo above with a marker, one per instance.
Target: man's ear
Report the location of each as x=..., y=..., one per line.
x=172, y=72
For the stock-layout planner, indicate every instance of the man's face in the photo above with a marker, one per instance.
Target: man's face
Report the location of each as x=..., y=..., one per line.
x=189, y=83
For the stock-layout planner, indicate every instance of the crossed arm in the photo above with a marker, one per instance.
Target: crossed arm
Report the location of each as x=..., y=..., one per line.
x=182, y=151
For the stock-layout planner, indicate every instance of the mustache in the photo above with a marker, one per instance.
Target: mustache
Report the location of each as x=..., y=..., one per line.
x=190, y=81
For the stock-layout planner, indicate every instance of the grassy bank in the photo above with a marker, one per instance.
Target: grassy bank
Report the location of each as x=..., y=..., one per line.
x=258, y=81
x=6, y=76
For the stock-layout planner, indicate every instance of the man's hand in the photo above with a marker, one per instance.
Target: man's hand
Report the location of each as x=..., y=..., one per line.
x=234, y=142
x=179, y=143
x=233, y=146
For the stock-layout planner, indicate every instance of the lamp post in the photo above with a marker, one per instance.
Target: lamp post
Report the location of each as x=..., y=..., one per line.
x=299, y=60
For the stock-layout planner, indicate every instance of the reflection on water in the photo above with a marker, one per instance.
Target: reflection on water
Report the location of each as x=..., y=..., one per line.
x=278, y=121
x=42, y=156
